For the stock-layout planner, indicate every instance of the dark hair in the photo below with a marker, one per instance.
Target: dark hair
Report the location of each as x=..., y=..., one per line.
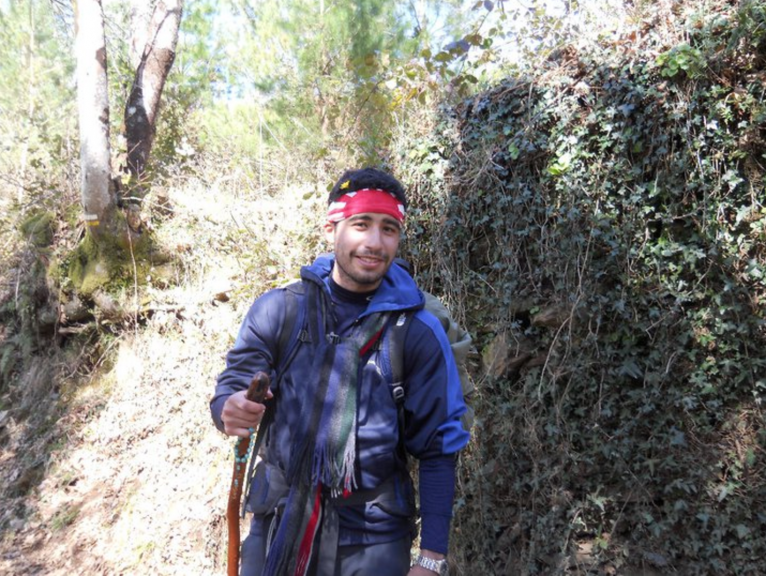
x=353, y=180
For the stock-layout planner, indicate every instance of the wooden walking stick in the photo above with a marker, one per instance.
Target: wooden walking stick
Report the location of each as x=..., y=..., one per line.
x=256, y=392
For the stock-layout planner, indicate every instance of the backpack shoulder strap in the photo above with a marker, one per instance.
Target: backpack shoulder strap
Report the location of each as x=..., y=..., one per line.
x=460, y=342
x=396, y=337
x=293, y=329
x=397, y=334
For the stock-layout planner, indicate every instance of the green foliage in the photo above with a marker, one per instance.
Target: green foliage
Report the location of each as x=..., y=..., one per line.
x=321, y=63
x=37, y=99
x=681, y=58
x=329, y=81
x=608, y=225
x=193, y=83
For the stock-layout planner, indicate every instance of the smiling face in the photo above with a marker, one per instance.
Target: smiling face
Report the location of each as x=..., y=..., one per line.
x=365, y=246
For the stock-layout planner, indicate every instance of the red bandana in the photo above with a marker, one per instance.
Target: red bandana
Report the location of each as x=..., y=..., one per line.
x=363, y=201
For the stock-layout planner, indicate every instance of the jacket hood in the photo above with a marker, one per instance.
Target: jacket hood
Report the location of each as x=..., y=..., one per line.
x=397, y=291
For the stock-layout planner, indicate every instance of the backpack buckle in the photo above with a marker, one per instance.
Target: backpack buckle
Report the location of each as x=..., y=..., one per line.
x=397, y=392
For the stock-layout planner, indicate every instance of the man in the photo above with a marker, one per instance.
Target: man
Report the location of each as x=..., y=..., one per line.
x=331, y=494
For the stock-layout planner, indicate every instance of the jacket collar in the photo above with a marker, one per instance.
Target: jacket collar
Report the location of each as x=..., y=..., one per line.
x=397, y=291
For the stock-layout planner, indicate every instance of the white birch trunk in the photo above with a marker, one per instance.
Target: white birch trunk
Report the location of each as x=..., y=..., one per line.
x=93, y=107
x=157, y=54
x=140, y=17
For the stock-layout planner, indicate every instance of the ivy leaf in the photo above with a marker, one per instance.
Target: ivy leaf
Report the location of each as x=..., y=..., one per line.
x=630, y=368
x=725, y=492
x=561, y=165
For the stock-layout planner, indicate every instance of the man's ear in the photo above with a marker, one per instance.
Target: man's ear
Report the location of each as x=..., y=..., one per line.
x=329, y=232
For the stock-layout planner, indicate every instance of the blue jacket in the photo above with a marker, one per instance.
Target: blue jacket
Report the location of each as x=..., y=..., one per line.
x=433, y=402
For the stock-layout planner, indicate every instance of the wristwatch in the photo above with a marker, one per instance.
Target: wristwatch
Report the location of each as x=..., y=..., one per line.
x=438, y=566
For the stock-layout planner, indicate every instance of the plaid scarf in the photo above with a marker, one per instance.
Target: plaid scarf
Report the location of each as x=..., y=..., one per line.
x=323, y=453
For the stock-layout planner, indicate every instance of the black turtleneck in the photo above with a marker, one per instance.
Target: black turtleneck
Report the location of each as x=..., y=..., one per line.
x=347, y=305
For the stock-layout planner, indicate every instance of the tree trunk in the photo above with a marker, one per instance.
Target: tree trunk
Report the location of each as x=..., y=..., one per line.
x=157, y=56
x=93, y=105
x=140, y=18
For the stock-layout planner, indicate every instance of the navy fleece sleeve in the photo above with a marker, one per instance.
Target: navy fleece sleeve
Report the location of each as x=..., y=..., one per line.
x=433, y=431
x=252, y=351
x=434, y=400
x=437, y=492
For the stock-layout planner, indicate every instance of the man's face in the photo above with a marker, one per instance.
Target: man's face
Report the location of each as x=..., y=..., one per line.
x=365, y=246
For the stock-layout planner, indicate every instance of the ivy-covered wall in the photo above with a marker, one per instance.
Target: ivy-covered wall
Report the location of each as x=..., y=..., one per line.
x=601, y=230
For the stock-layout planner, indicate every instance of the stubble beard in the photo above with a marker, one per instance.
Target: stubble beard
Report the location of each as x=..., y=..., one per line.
x=371, y=279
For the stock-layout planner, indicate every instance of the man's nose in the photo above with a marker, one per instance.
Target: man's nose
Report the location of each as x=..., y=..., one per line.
x=373, y=238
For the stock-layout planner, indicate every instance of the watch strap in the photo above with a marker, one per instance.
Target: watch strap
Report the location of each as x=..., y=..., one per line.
x=437, y=566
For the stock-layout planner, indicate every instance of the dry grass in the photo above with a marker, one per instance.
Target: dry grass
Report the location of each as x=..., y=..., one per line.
x=127, y=474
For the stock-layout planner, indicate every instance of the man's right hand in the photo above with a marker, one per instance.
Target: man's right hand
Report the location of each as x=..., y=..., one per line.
x=240, y=414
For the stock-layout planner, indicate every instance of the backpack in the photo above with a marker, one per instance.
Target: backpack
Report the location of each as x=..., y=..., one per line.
x=460, y=342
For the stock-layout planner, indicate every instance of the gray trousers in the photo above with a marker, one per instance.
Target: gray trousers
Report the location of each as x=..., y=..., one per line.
x=387, y=559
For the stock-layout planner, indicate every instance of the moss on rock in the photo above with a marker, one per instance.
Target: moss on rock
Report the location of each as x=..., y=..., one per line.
x=109, y=263
x=89, y=267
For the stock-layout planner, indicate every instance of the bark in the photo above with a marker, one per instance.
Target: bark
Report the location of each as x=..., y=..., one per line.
x=140, y=18
x=157, y=56
x=93, y=108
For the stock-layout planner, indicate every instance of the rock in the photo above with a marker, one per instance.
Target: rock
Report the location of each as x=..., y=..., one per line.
x=110, y=309
x=552, y=317
x=74, y=310
x=495, y=356
x=656, y=560
x=503, y=356
x=47, y=317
